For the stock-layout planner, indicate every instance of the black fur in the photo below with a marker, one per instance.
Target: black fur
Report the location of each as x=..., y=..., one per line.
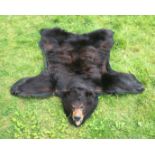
x=77, y=69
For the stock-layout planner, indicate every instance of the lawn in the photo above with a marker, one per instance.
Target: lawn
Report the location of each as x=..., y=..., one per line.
x=125, y=116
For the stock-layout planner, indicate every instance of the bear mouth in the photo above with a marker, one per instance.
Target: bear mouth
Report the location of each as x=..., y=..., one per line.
x=78, y=123
x=77, y=117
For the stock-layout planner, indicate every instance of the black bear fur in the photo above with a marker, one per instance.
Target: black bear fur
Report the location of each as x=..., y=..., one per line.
x=77, y=69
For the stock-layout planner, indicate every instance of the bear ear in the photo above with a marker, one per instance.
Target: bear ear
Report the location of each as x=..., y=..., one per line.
x=110, y=33
x=113, y=32
x=98, y=90
x=41, y=31
x=65, y=92
x=62, y=92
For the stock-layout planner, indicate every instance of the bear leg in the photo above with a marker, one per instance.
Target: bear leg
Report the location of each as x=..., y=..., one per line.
x=121, y=83
x=38, y=86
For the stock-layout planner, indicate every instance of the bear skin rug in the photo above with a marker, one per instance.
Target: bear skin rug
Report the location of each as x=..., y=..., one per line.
x=77, y=69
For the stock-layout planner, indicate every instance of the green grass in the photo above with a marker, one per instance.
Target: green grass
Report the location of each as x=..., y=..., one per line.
x=128, y=116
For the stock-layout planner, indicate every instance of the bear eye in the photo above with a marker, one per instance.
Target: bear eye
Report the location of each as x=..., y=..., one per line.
x=66, y=93
x=89, y=94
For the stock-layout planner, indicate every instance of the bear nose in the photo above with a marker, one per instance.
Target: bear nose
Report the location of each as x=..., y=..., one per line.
x=77, y=118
